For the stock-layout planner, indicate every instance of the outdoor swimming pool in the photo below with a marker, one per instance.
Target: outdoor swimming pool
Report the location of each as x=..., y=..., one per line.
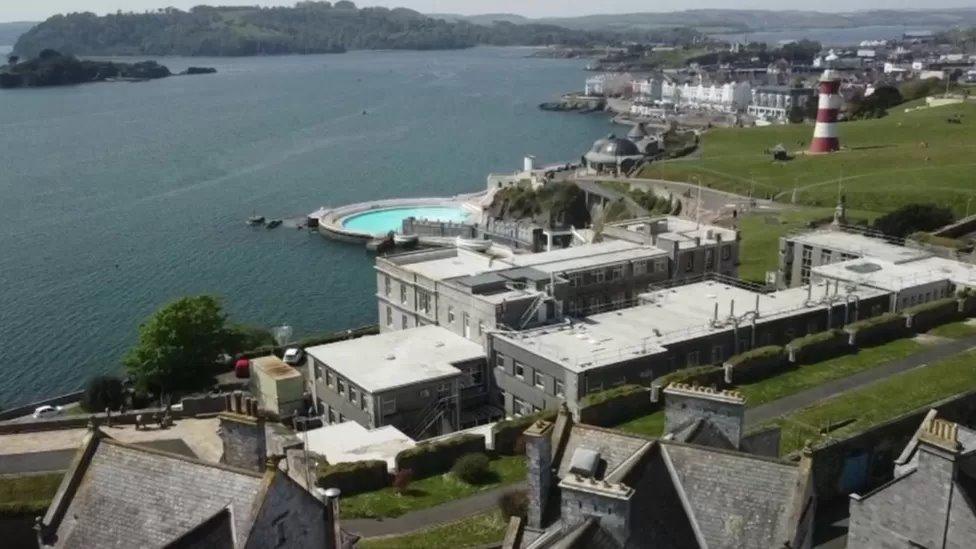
x=390, y=219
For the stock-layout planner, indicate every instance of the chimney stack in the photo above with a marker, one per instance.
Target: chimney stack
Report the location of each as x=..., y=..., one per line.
x=242, y=433
x=684, y=404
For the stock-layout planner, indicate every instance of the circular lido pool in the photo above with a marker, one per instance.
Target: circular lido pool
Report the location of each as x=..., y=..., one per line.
x=382, y=221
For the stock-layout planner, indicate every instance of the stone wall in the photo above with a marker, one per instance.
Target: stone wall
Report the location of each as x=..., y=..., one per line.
x=613, y=411
x=428, y=227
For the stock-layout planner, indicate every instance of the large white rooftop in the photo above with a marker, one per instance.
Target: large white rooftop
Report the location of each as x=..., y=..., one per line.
x=668, y=316
x=465, y=263
x=859, y=245
x=894, y=277
x=350, y=441
x=395, y=359
x=586, y=256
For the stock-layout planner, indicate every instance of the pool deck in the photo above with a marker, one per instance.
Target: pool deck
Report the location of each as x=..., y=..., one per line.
x=331, y=220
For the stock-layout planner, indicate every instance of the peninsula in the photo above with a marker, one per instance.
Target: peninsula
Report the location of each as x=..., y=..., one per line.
x=52, y=68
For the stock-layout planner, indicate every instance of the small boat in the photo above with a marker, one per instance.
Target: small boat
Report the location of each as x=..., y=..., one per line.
x=405, y=239
x=472, y=244
x=274, y=223
x=255, y=220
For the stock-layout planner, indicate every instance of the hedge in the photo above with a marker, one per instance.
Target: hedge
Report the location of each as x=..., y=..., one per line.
x=818, y=346
x=876, y=330
x=616, y=405
x=354, y=477
x=507, y=433
x=698, y=375
x=755, y=364
x=433, y=458
x=931, y=314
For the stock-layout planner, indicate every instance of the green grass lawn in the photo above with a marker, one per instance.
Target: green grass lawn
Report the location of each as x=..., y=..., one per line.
x=473, y=531
x=888, y=162
x=27, y=494
x=430, y=491
x=954, y=330
x=759, y=248
x=793, y=381
x=810, y=375
x=879, y=402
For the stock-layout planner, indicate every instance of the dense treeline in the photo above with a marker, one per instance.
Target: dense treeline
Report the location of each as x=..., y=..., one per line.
x=51, y=68
x=309, y=27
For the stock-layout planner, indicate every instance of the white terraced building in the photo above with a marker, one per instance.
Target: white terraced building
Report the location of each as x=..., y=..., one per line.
x=729, y=97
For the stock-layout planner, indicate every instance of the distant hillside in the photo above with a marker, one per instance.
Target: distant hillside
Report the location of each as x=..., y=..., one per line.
x=483, y=19
x=10, y=32
x=309, y=27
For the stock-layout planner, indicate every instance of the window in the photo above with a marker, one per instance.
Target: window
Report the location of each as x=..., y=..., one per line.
x=716, y=354
x=824, y=256
x=363, y=404
x=660, y=265
x=709, y=258
x=519, y=407
x=477, y=376
x=328, y=378
x=450, y=314
x=519, y=370
x=342, y=418
x=403, y=293
x=600, y=276
x=726, y=252
x=386, y=285
x=693, y=358
x=806, y=259
x=481, y=327
x=388, y=405
x=404, y=322
x=467, y=325
x=593, y=386
x=444, y=389
x=389, y=316
x=341, y=387
x=332, y=416
x=560, y=390
x=537, y=380
x=424, y=393
x=353, y=395
x=318, y=371
x=499, y=361
x=423, y=300
x=640, y=267
x=575, y=280
x=616, y=273
x=689, y=262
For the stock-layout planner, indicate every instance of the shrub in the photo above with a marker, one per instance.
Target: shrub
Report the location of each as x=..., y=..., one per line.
x=434, y=458
x=102, y=392
x=401, y=480
x=879, y=329
x=913, y=218
x=933, y=313
x=818, y=346
x=354, y=477
x=698, y=375
x=514, y=503
x=755, y=364
x=472, y=468
x=616, y=405
x=508, y=434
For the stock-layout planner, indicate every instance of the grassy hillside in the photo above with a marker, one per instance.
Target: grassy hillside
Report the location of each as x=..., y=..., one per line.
x=899, y=159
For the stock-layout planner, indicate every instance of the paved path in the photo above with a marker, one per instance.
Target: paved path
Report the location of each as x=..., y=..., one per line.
x=791, y=403
x=432, y=516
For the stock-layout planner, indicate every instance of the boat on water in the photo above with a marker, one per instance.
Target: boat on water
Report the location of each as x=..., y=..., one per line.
x=472, y=244
x=405, y=239
x=274, y=223
x=255, y=220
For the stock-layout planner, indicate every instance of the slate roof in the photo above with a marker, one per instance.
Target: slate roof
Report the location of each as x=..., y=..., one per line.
x=736, y=500
x=135, y=497
x=703, y=432
x=615, y=448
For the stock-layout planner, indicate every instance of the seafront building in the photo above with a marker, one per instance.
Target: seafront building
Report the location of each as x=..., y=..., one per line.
x=774, y=103
x=728, y=97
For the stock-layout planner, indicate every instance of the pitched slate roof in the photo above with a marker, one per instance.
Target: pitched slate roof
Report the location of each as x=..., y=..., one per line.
x=128, y=496
x=615, y=448
x=735, y=500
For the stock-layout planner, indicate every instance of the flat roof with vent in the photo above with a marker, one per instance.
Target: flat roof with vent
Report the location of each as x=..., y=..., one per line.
x=896, y=277
x=396, y=359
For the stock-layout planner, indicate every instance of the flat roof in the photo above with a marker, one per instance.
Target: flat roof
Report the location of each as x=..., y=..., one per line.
x=350, y=441
x=586, y=256
x=859, y=244
x=396, y=359
x=895, y=277
x=465, y=263
x=274, y=367
x=667, y=317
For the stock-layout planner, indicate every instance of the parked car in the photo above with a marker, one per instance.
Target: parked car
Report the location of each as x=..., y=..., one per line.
x=47, y=411
x=294, y=356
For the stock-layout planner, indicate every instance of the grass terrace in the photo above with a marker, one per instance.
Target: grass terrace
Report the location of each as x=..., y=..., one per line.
x=481, y=529
x=903, y=158
x=864, y=408
x=955, y=330
x=431, y=491
x=27, y=495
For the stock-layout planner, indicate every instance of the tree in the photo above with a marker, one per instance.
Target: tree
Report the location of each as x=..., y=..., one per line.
x=241, y=337
x=179, y=345
x=102, y=392
x=912, y=218
x=401, y=481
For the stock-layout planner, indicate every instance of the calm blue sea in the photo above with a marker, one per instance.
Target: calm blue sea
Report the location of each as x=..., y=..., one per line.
x=117, y=198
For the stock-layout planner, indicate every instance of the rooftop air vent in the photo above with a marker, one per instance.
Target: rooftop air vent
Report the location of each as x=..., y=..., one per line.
x=391, y=357
x=584, y=462
x=439, y=344
x=863, y=268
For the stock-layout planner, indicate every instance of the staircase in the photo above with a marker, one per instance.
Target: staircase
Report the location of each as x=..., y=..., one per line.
x=430, y=416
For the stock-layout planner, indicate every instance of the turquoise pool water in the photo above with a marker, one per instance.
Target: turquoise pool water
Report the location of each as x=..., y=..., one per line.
x=391, y=219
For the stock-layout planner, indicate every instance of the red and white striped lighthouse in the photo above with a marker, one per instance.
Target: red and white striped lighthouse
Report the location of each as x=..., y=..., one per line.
x=825, y=132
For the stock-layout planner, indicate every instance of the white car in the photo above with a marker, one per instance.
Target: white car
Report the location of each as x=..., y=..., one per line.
x=294, y=356
x=47, y=411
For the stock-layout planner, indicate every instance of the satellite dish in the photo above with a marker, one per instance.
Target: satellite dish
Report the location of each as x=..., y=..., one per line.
x=282, y=335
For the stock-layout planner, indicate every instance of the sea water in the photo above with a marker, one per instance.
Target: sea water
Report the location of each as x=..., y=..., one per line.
x=116, y=198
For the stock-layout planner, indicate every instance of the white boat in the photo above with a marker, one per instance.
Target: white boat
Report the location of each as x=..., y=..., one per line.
x=405, y=239
x=473, y=244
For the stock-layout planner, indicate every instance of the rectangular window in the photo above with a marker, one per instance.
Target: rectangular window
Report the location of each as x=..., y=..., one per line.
x=423, y=300
x=519, y=407
x=450, y=314
x=693, y=358
x=600, y=276
x=353, y=394
x=404, y=322
x=386, y=285
x=824, y=256
x=328, y=378
x=318, y=372
x=661, y=265
x=575, y=280
x=559, y=389
x=616, y=273
x=709, y=258
x=363, y=403
x=726, y=252
x=481, y=327
x=537, y=380
x=689, y=262
x=424, y=393
x=332, y=416
x=389, y=405
x=499, y=361
x=519, y=370
x=341, y=387
x=389, y=316
x=477, y=376
x=403, y=293
x=716, y=354
x=342, y=418
x=444, y=389
x=467, y=325
x=593, y=386
x=640, y=267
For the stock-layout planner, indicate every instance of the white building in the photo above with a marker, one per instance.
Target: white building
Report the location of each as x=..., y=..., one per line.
x=647, y=89
x=607, y=84
x=730, y=97
x=776, y=102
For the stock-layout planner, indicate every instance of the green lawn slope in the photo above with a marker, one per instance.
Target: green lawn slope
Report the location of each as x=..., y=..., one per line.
x=905, y=157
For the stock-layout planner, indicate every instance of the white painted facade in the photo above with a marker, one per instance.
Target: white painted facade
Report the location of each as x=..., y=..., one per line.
x=730, y=97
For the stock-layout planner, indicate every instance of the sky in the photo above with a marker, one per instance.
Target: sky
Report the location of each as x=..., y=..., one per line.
x=35, y=10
